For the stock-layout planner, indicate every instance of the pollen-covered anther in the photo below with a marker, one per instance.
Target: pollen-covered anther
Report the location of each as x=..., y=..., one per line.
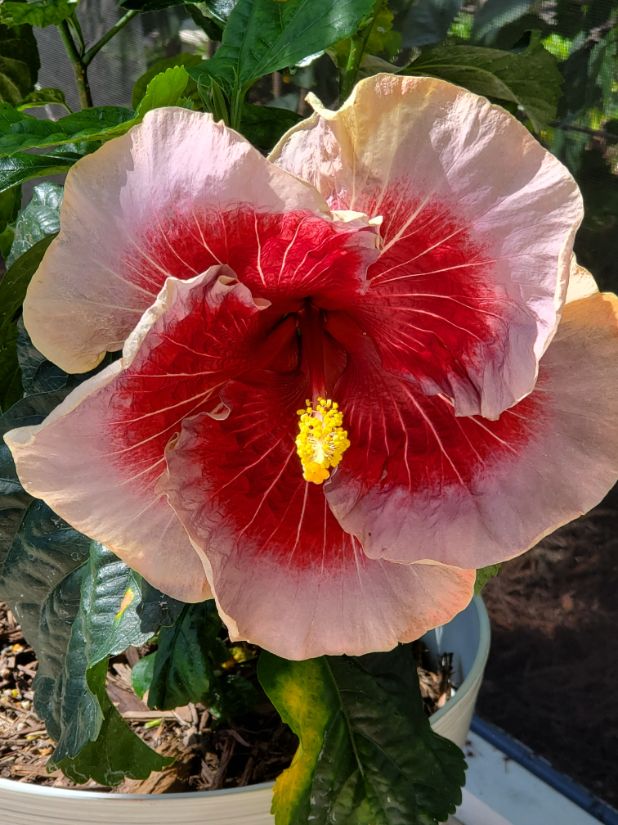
x=321, y=439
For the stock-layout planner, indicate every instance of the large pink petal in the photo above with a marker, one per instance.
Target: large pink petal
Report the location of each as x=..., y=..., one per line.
x=419, y=482
x=284, y=573
x=479, y=221
x=97, y=459
x=175, y=195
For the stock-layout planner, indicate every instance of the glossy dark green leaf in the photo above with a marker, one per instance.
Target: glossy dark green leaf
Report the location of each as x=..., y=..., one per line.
x=117, y=753
x=77, y=604
x=530, y=79
x=38, y=375
x=41, y=580
x=38, y=13
x=157, y=610
x=39, y=219
x=188, y=653
x=264, y=125
x=14, y=501
x=262, y=36
x=33, y=230
x=367, y=753
x=23, y=167
x=20, y=131
x=105, y=624
x=151, y=5
x=428, y=21
x=219, y=10
x=12, y=291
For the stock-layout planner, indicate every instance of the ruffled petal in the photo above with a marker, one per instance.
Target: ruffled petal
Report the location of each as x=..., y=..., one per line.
x=581, y=283
x=419, y=482
x=478, y=227
x=97, y=459
x=283, y=572
x=175, y=195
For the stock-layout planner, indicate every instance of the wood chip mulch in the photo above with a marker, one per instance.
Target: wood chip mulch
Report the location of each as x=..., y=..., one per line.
x=207, y=756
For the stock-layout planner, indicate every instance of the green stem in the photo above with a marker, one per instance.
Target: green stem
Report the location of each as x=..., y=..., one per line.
x=96, y=47
x=74, y=24
x=218, y=103
x=79, y=68
x=236, y=108
x=355, y=55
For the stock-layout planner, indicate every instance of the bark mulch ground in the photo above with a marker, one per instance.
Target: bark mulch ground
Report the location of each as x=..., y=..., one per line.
x=552, y=676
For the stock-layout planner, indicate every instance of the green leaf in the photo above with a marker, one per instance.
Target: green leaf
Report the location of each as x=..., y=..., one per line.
x=19, y=62
x=530, y=79
x=483, y=575
x=12, y=291
x=590, y=76
x=19, y=131
x=142, y=673
x=22, y=167
x=40, y=579
x=77, y=604
x=38, y=375
x=264, y=125
x=262, y=36
x=39, y=219
x=117, y=753
x=10, y=201
x=367, y=753
x=158, y=610
x=428, y=21
x=164, y=89
x=38, y=13
x=186, y=658
x=43, y=97
x=105, y=624
x=182, y=59
x=495, y=15
x=218, y=9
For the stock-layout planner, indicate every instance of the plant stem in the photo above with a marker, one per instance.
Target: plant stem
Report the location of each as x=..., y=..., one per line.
x=90, y=53
x=79, y=68
x=237, y=101
x=218, y=104
x=355, y=55
x=74, y=24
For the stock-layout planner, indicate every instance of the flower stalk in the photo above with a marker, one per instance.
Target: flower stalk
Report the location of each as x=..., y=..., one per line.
x=80, y=57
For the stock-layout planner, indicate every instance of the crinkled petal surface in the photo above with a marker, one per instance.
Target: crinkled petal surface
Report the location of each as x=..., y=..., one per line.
x=419, y=482
x=175, y=195
x=478, y=227
x=97, y=459
x=283, y=572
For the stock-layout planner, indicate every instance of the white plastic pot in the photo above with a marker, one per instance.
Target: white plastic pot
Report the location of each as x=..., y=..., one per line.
x=466, y=636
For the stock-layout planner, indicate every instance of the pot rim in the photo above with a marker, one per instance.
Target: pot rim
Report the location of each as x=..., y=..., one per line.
x=476, y=672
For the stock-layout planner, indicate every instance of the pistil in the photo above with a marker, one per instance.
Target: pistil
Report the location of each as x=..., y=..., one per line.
x=322, y=439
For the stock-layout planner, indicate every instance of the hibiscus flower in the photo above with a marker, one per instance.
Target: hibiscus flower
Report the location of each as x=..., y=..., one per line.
x=342, y=385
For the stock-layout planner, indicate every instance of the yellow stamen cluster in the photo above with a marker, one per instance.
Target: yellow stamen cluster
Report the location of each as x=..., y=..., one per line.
x=321, y=439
